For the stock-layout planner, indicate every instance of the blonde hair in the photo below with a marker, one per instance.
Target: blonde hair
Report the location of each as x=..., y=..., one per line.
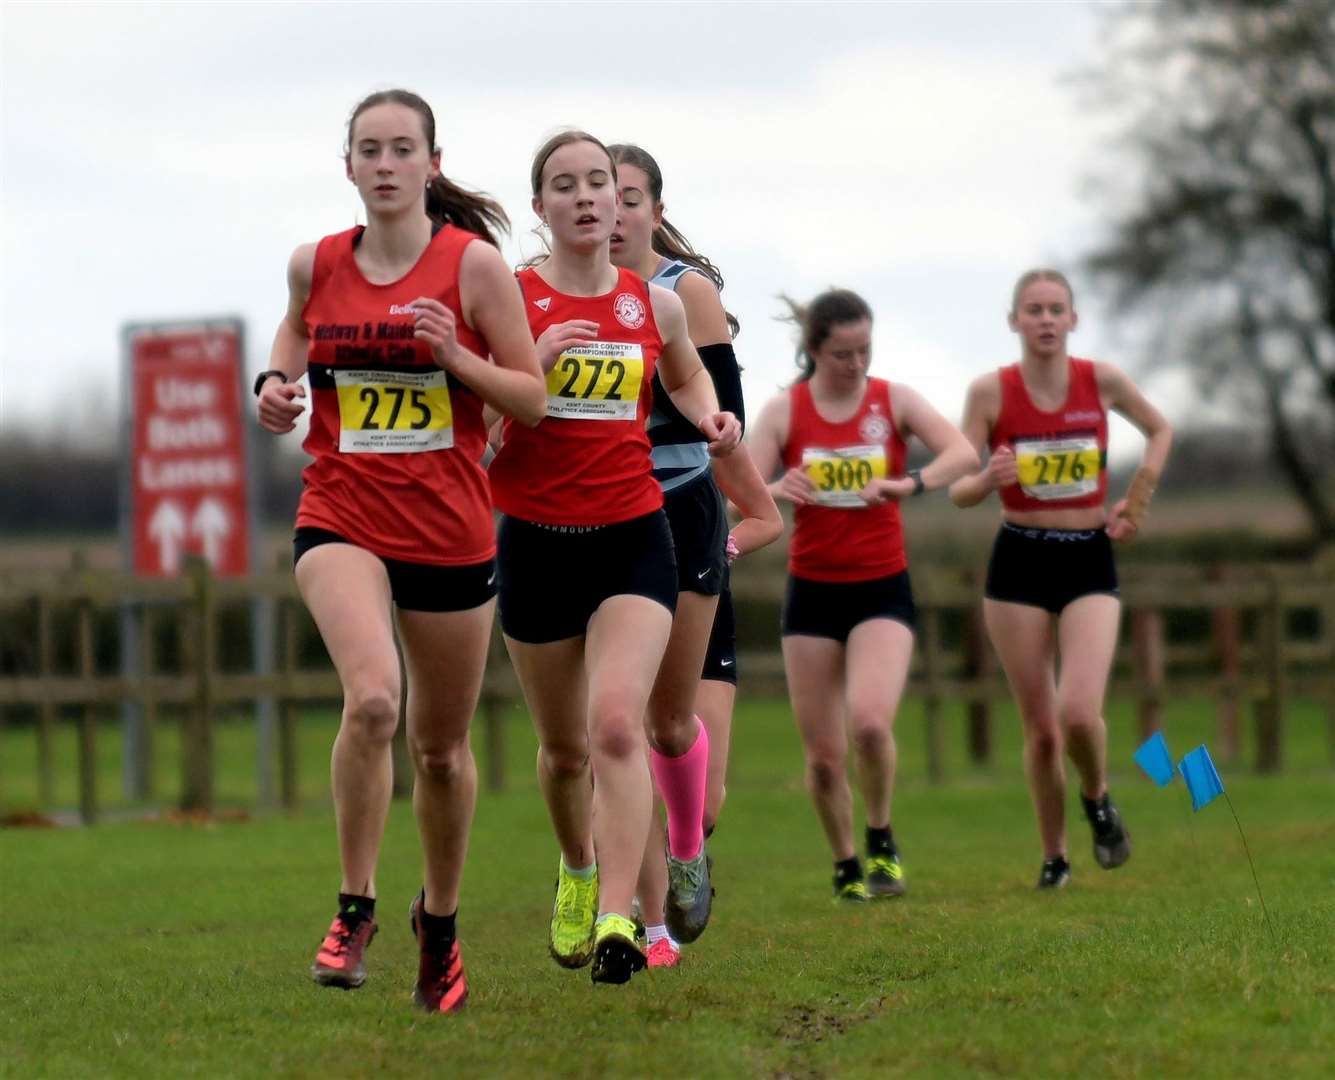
x=1040, y=274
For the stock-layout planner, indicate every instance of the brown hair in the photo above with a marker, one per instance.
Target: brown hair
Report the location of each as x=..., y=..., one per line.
x=1041, y=274
x=560, y=139
x=818, y=317
x=667, y=240
x=446, y=202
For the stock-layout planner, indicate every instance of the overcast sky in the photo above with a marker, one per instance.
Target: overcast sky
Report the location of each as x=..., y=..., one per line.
x=161, y=161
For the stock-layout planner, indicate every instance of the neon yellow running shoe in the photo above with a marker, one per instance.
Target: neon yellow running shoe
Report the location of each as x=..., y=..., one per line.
x=616, y=957
x=570, y=936
x=885, y=876
x=851, y=891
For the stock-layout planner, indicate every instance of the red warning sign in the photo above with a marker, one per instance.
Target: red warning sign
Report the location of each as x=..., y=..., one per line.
x=188, y=488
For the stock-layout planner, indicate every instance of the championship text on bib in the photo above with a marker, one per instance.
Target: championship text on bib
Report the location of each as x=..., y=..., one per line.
x=838, y=475
x=1058, y=468
x=393, y=412
x=596, y=380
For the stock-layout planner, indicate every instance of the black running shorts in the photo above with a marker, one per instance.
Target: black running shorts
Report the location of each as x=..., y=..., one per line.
x=417, y=586
x=832, y=609
x=1048, y=568
x=699, y=523
x=554, y=577
x=721, y=657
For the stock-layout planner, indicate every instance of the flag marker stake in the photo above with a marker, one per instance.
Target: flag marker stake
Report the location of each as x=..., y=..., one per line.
x=1247, y=851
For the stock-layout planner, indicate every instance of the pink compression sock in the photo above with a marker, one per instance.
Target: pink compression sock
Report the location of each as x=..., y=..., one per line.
x=681, y=781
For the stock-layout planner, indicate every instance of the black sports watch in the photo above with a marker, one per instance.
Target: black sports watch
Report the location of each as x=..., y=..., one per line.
x=916, y=476
x=263, y=377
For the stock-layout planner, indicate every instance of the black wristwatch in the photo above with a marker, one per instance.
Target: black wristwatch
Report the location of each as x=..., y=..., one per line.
x=263, y=377
x=916, y=476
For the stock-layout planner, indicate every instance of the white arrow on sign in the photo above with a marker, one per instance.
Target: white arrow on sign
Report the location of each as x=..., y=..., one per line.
x=167, y=527
x=211, y=524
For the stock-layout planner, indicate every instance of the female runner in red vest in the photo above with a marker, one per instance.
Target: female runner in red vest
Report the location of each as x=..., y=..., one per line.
x=393, y=323
x=588, y=581
x=1051, y=584
x=848, y=615
x=698, y=675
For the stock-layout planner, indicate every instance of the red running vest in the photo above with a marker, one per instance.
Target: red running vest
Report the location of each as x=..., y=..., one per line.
x=841, y=538
x=396, y=443
x=587, y=462
x=1062, y=456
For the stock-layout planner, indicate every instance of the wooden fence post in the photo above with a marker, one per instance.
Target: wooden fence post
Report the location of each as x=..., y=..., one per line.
x=148, y=623
x=87, y=720
x=398, y=745
x=197, y=728
x=978, y=666
x=288, y=791
x=931, y=669
x=1270, y=709
x=1147, y=657
x=1226, y=636
x=46, y=712
x=493, y=726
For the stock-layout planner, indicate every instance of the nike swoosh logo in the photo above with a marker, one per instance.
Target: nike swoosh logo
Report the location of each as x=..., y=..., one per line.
x=492, y=578
x=726, y=663
x=703, y=574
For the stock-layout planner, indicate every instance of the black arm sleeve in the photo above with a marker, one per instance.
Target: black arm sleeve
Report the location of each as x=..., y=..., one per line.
x=721, y=363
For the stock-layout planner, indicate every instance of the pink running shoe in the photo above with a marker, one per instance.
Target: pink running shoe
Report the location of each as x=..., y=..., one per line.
x=663, y=954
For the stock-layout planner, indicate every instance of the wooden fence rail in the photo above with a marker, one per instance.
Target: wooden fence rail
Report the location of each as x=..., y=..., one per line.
x=1262, y=669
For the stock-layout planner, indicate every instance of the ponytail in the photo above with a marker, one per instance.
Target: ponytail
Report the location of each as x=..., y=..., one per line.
x=449, y=204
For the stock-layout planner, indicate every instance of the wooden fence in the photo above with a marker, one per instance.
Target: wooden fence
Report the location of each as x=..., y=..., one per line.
x=1251, y=659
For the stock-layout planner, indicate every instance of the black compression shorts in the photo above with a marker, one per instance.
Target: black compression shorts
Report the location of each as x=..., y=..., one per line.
x=417, y=586
x=554, y=577
x=1048, y=568
x=832, y=609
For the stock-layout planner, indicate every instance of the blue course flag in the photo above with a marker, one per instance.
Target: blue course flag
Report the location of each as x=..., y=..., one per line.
x=1152, y=755
x=1202, y=779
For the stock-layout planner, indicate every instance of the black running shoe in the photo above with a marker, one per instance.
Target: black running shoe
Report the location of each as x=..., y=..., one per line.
x=1112, y=842
x=442, y=985
x=1055, y=874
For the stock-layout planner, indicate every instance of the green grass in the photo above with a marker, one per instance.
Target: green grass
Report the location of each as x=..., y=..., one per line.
x=139, y=949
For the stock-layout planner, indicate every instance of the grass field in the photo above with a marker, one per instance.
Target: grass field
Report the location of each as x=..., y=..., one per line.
x=152, y=949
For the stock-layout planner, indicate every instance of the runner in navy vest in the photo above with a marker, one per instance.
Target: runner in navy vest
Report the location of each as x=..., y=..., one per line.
x=698, y=676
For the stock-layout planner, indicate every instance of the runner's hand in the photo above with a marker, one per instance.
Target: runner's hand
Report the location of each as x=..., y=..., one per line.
x=277, y=408
x=434, y=323
x=796, y=487
x=558, y=337
x=880, y=492
x=1002, y=470
x=724, y=432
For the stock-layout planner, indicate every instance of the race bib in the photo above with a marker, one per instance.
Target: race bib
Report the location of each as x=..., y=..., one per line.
x=596, y=380
x=838, y=475
x=393, y=412
x=1062, y=468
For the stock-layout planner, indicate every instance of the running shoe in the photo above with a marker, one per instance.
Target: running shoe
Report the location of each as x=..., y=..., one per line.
x=1112, y=842
x=885, y=876
x=854, y=891
x=441, y=983
x=616, y=957
x=689, y=898
x=570, y=936
x=339, y=960
x=663, y=954
x=1055, y=874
